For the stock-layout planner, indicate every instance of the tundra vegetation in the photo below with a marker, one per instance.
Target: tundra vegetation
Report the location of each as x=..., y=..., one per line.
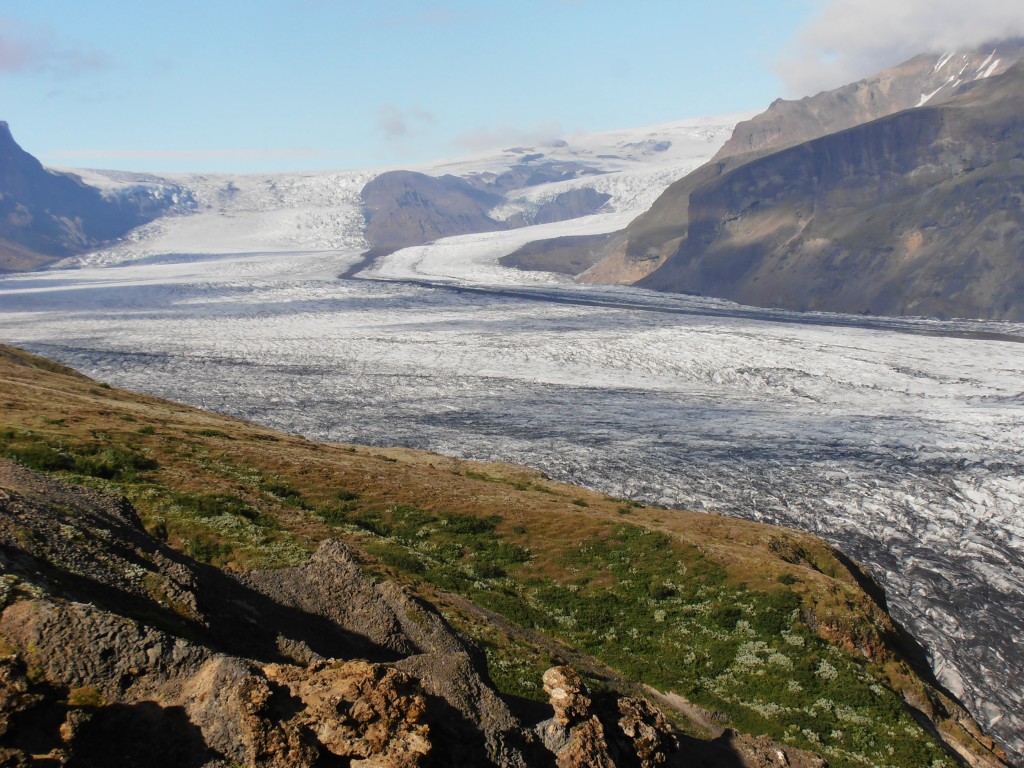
x=756, y=627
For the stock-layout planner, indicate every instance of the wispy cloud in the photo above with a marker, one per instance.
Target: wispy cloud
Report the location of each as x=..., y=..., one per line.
x=851, y=39
x=504, y=135
x=399, y=125
x=25, y=48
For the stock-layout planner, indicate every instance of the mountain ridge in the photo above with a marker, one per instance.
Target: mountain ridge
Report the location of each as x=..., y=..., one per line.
x=914, y=83
x=912, y=214
x=47, y=215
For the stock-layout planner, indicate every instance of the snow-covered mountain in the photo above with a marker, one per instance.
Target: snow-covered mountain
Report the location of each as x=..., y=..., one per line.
x=324, y=211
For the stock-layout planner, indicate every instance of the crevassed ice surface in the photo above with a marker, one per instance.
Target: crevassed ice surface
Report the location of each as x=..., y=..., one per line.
x=900, y=442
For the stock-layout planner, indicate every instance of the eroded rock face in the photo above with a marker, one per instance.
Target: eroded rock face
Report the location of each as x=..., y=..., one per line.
x=619, y=731
x=117, y=643
x=245, y=717
x=367, y=712
x=568, y=695
x=647, y=730
x=587, y=747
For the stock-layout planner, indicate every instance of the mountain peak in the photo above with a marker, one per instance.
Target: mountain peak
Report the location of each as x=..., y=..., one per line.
x=928, y=78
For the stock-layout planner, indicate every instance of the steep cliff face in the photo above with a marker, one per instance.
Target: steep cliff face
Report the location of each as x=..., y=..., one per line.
x=45, y=215
x=918, y=213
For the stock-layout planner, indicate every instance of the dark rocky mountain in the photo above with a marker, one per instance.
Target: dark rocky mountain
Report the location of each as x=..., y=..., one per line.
x=404, y=208
x=46, y=215
x=633, y=254
x=917, y=213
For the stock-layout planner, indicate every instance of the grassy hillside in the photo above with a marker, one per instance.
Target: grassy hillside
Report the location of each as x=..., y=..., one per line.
x=736, y=623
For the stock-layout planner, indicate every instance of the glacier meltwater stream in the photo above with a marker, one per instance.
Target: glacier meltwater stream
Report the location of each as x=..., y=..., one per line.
x=901, y=443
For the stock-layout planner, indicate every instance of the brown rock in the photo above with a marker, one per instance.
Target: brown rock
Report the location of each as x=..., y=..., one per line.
x=648, y=730
x=587, y=747
x=367, y=712
x=616, y=731
x=236, y=708
x=14, y=692
x=568, y=695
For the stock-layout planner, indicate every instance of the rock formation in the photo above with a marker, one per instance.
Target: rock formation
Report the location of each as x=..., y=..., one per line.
x=119, y=651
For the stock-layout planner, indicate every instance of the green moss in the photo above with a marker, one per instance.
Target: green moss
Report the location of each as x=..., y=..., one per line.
x=38, y=456
x=661, y=612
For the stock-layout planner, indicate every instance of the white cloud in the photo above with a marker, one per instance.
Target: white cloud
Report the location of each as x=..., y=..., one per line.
x=852, y=39
x=503, y=135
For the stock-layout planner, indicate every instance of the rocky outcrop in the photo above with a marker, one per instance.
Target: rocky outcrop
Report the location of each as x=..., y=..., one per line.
x=619, y=730
x=468, y=716
x=369, y=713
x=115, y=650
x=46, y=215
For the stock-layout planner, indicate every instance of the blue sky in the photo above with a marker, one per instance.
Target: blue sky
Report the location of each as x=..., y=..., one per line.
x=262, y=86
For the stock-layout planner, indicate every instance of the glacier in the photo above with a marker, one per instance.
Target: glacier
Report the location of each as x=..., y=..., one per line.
x=899, y=441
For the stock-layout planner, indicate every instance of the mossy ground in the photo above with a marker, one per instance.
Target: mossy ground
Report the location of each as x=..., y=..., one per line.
x=757, y=624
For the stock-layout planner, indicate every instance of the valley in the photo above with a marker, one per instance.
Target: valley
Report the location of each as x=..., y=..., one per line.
x=900, y=445
x=381, y=308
